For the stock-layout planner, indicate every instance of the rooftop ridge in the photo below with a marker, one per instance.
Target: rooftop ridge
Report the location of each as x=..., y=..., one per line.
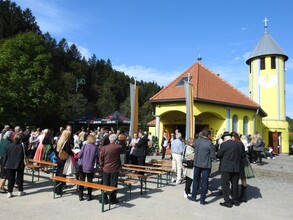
x=229, y=84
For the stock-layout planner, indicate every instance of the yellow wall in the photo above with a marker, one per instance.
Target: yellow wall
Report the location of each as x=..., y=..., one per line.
x=207, y=114
x=267, y=94
x=271, y=98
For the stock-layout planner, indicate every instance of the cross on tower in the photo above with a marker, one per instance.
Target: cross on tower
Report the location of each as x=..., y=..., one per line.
x=266, y=24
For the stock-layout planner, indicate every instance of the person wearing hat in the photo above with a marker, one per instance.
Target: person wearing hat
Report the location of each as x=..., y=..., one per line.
x=230, y=155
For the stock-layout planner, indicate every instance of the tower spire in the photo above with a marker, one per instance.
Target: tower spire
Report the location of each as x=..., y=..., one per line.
x=266, y=24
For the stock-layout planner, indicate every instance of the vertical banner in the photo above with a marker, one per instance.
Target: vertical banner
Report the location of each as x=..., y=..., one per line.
x=133, y=109
x=189, y=110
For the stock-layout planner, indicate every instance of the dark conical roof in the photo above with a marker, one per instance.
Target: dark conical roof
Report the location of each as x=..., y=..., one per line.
x=266, y=46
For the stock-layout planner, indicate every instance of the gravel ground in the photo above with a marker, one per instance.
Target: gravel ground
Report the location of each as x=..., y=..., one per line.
x=270, y=196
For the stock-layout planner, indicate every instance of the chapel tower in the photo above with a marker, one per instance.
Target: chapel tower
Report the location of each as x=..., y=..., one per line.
x=267, y=88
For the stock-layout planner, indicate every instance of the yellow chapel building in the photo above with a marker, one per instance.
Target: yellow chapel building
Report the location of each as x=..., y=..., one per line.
x=219, y=106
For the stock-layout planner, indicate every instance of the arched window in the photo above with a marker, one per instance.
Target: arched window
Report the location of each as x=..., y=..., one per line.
x=245, y=125
x=235, y=123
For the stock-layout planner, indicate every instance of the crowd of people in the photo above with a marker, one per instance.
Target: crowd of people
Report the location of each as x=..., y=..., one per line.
x=86, y=152
x=82, y=153
x=192, y=160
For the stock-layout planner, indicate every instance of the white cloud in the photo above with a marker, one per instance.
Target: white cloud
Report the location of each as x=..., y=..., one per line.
x=148, y=74
x=85, y=52
x=243, y=28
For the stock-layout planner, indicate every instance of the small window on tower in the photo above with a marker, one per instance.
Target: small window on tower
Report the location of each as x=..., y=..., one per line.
x=262, y=63
x=273, y=62
x=250, y=68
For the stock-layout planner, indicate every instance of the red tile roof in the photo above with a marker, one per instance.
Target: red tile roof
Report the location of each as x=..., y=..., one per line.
x=151, y=123
x=208, y=87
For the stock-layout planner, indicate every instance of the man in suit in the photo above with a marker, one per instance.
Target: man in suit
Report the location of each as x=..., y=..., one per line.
x=141, y=148
x=164, y=145
x=230, y=154
x=204, y=153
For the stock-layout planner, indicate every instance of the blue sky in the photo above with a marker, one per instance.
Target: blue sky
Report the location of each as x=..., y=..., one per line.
x=155, y=40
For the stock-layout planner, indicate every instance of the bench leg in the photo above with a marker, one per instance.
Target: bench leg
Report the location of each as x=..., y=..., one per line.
x=167, y=178
x=158, y=180
x=141, y=186
x=103, y=200
x=127, y=191
x=54, y=189
x=33, y=174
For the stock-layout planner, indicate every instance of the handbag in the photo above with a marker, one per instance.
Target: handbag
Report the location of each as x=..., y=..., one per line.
x=69, y=167
x=186, y=162
x=52, y=157
x=248, y=171
x=63, y=155
x=25, y=159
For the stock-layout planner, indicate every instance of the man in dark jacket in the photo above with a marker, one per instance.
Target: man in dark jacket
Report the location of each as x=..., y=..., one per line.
x=230, y=155
x=14, y=165
x=141, y=148
x=111, y=165
x=204, y=152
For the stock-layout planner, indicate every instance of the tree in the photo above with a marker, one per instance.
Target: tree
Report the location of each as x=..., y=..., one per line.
x=14, y=21
x=26, y=80
x=107, y=102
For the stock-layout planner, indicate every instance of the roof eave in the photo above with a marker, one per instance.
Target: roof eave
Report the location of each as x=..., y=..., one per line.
x=272, y=54
x=263, y=113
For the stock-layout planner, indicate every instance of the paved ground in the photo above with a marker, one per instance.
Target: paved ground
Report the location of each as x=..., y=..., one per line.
x=270, y=196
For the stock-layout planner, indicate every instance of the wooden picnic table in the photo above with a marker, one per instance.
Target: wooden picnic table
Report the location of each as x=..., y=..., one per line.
x=47, y=163
x=150, y=172
x=149, y=167
x=163, y=163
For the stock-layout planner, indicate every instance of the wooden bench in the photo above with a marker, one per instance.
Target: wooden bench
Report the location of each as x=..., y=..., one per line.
x=47, y=163
x=162, y=163
x=142, y=178
x=103, y=188
x=127, y=183
x=168, y=170
x=149, y=172
x=34, y=168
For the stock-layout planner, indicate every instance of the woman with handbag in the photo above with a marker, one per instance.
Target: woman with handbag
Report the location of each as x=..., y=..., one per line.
x=63, y=152
x=14, y=165
x=188, y=156
x=87, y=156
